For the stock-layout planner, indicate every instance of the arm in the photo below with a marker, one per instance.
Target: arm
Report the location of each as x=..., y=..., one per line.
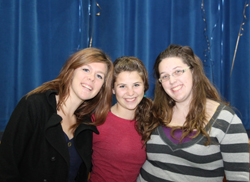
x=235, y=151
x=15, y=138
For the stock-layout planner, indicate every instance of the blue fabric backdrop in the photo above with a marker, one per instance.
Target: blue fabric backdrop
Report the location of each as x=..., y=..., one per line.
x=36, y=38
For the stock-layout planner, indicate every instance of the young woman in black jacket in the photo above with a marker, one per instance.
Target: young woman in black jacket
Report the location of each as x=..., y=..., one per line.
x=49, y=134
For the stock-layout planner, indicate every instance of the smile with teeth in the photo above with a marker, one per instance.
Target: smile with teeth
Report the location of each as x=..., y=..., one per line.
x=177, y=88
x=88, y=87
x=130, y=99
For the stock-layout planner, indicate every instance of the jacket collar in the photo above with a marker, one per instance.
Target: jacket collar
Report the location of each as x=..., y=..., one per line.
x=83, y=127
x=50, y=94
x=53, y=129
x=55, y=136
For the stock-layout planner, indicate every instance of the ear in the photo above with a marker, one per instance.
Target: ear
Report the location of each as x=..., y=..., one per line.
x=113, y=90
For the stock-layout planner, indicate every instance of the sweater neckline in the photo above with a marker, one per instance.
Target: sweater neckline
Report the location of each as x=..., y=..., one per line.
x=178, y=146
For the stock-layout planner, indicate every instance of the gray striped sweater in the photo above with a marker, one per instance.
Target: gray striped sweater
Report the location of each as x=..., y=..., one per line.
x=228, y=154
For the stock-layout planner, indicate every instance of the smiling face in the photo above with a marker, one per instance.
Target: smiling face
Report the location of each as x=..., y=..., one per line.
x=129, y=91
x=87, y=81
x=178, y=88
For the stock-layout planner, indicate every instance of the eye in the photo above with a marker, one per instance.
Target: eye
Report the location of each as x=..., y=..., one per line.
x=178, y=72
x=121, y=86
x=165, y=77
x=136, y=84
x=85, y=69
x=100, y=77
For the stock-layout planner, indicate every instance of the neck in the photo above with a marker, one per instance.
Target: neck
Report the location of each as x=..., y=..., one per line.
x=68, y=107
x=182, y=108
x=123, y=113
x=67, y=111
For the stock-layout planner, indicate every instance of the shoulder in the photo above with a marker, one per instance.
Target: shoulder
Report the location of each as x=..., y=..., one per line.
x=36, y=97
x=37, y=102
x=211, y=105
x=214, y=107
x=225, y=110
x=47, y=95
x=225, y=114
x=30, y=102
x=43, y=97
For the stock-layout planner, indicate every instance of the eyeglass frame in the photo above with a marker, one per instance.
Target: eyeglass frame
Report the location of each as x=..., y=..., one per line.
x=183, y=71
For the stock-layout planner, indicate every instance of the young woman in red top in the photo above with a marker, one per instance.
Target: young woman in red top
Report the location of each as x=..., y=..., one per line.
x=118, y=152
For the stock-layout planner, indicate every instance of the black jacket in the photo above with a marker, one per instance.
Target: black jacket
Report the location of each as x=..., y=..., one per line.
x=33, y=146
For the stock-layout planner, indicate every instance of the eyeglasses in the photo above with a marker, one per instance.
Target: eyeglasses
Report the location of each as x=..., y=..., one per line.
x=175, y=74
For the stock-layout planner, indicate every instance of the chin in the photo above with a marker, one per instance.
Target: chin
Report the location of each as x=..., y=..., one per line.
x=132, y=108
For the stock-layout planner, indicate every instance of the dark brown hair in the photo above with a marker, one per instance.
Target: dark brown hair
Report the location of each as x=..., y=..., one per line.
x=101, y=103
x=202, y=89
x=130, y=64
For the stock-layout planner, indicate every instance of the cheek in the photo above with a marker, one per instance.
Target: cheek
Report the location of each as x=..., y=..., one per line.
x=72, y=82
x=165, y=87
x=100, y=85
x=140, y=91
x=167, y=90
x=119, y=93
x=189, y=82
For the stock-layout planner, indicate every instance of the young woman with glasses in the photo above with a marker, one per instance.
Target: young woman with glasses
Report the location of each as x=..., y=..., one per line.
x=193, y=135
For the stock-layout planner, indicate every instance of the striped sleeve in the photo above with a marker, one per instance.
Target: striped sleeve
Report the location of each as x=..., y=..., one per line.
x=234, y=147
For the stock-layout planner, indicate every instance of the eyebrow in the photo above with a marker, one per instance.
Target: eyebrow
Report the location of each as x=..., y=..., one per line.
x=138, y=82
x=126, y=84
x=172, y=69
x=121, y=84
x=97, y=71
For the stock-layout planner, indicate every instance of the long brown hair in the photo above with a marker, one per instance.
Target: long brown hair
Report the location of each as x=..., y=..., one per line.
x=142, y=113
x=101, y=103
x=202, y=89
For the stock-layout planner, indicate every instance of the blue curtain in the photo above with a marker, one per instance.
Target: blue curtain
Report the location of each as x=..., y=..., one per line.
x=36, y=37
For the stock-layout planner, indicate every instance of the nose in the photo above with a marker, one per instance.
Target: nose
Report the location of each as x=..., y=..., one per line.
x=91, y=77
x=130, y=91
x=172, y=79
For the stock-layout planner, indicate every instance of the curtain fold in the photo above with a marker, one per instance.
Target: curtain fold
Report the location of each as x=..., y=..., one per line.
x=36, y=38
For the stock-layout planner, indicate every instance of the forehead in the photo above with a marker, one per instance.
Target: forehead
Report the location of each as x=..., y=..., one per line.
x=128, y=76
x=171, y=63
